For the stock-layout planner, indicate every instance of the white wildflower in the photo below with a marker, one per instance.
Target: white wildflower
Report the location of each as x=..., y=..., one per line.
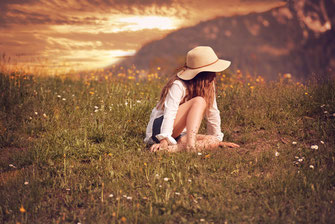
x=12, y=166
x=176, y=193
x=300, y=160
x=30, y=118
x=125, y=196
x=166, y=179
x=36, y=113
x=316, y=147
x=59, y=96
x=68, y=189
x=189, y=180
x=129, y=198
x=199, y=153
x=325, y=112
x=138, y=101
x=63, y=99
x=44, y=115
x=323, y=105
x=96, y=107
x=202, y=220
x=111, y=195
x=277, y=153
x=294, y=143
x=311, y=166
x=26, y=183
x=322, y=142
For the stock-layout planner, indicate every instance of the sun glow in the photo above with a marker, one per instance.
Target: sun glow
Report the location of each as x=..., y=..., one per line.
x=135, y=23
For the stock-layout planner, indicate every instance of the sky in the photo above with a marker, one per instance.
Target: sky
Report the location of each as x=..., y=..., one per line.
x=90, y=34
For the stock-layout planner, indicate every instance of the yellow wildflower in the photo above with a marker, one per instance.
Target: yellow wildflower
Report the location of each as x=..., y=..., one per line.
x=22, y=210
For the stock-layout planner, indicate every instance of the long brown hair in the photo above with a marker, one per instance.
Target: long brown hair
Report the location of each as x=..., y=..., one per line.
x=203, y=84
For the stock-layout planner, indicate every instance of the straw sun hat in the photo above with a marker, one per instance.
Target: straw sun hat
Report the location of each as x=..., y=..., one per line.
x=202, y=59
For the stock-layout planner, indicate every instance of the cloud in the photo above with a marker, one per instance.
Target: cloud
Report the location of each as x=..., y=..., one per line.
x=77, y=30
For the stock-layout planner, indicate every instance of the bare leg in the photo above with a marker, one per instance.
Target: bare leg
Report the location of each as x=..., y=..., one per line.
x=189, y=115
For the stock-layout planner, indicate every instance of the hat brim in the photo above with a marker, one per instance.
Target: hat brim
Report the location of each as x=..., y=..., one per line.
x=189, y=73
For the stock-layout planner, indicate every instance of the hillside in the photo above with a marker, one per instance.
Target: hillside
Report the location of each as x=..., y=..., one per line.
x=297, y=39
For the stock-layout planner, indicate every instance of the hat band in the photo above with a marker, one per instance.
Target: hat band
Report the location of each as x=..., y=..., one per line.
x=203, y=65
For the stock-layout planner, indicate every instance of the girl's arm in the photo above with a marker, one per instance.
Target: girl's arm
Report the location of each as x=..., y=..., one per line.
x=214, y=121
x=171, y=105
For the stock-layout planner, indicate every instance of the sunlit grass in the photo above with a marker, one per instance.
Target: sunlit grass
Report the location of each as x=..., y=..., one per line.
x=72, y=151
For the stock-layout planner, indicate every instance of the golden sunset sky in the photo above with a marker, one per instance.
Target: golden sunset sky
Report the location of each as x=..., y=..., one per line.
x=90, y=34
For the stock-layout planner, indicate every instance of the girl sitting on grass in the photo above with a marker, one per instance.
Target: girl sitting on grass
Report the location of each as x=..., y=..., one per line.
x=185, y=99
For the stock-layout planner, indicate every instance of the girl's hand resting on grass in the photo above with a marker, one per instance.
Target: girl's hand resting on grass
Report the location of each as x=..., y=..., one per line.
x=228, y=144
x=160, y=146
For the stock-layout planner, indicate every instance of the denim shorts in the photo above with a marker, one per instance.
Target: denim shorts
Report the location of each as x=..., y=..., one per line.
x=156, y=129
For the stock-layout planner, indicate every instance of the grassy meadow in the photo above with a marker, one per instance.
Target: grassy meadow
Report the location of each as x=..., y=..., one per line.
x=72, y=151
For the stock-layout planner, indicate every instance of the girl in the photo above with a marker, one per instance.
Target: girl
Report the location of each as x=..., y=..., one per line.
x=185, y=99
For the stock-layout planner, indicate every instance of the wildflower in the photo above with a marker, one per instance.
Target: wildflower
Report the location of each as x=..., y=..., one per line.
x=96, y=107
x=294, y=143
x=333, y=114
x=125, y=196
x=26, y=183
x=176, y=193
x=91, y=92
x=72, y=95
x=325, y=112
x=306, y=93
x=22, y=210
x=160, y=185
x=202, y=220
x=166, y=179
x=316, y=147
x=123, y=219
x=111, y=195
x=311, y=166
x=199, y=153
x=129, y=198
x=126, y=103
x=68, y=189
x=322, y=142
x=138, y=101
x=30, y=118
x=276, y=153
x=145, y=164
x=323, y=105
x=44, y=115
x=157, y=175
x=189, y=180
x=36, y=113
x=12, y=166
x=300, y=160
x=63, y=99
x=59, y=96
x=287, y=76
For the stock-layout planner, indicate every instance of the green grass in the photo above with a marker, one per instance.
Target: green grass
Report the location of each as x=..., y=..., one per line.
x=72, y=151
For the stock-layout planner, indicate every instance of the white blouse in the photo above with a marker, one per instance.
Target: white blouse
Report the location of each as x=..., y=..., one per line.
x=175, y=95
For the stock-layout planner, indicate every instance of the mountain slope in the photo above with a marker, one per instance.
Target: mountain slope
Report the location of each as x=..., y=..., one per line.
x=282, y=40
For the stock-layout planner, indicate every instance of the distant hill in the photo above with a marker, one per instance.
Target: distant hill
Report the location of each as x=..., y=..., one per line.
x=297, y=38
